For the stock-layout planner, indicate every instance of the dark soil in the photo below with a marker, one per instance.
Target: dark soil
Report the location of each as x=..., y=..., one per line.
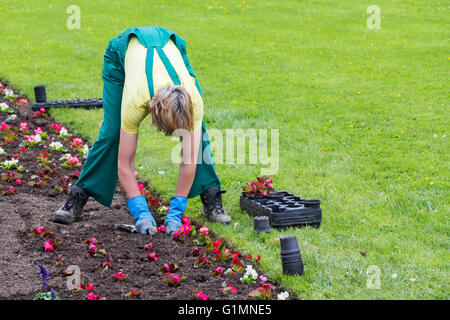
x=31, y=207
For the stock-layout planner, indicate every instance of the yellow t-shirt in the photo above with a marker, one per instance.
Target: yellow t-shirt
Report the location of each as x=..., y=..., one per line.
x=136, y=95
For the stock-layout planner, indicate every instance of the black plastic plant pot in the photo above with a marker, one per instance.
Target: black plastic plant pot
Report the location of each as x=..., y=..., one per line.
x=289, y=245
x=39, y=94
x=295, y=270
x=291, y=256
x=311, y=203
x=261, y=224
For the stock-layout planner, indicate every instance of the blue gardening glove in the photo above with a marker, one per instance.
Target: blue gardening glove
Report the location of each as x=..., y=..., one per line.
x=145, y=223
x=176, y=209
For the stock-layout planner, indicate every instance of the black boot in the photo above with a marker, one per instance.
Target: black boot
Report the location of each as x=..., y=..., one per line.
x=212, y=205
x=72, y=209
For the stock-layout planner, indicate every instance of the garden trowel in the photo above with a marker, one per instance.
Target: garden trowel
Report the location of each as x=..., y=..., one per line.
x=126, y=227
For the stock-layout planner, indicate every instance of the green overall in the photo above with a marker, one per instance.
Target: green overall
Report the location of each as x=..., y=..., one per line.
x=99, y=174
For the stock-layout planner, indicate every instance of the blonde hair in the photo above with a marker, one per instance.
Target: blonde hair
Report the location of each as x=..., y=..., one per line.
x=171, y=109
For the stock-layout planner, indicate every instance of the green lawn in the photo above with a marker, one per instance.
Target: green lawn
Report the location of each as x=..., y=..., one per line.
x=362, y=117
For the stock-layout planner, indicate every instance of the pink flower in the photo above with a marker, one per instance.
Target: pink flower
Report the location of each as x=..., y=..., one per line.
x=42, y=110
x=204, y=230
x=90, y=287
x=48, y=247
x=30, y=138
x=152, y=257
x=23, y=101
x=219, y=269
x=201, y=295
x=73, y=160
x=38, y=130
x=78, y=141
x=263, y=278
x=258, y=258
x=185, y=229
x=23, y=126
x=161, y=228
x=176, y=235
x=120, y=276
x=135, y=174
x=39, y=229
x=92, y=247
x=18, y=181
x=141, y=186
x=185, y=220
x=176, y=278
x=146, y=193
x=56, y=126
x=3, y=125
x=92, y=296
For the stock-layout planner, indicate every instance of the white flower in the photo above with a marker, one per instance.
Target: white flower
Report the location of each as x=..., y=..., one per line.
x=2, y=152
x=85, y=150
x=161, y=172
x=37, y=138
x=65, y=157
x=56, y=145
x=394, y=276
x=4, y=106
x=283, y=296
x=412, y=279
x=10, y=163
x=250, y=273
x=63, y=131
x=8, y=92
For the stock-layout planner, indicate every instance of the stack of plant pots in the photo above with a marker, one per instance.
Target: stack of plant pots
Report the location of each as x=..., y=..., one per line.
x=261, y=224
x=291, y=258
x=40, y=94
x=283, y=209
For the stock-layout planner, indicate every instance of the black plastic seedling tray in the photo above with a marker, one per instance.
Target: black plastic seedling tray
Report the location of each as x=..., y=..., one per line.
x=78, y=103
x=284, y=209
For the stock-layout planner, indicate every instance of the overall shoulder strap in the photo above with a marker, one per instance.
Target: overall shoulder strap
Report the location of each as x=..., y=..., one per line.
x=181, y=45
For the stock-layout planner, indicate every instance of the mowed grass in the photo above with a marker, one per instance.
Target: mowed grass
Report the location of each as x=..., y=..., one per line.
x=362, y=117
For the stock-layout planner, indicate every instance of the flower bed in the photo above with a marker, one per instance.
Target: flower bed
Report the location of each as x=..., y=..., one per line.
x=38, y=160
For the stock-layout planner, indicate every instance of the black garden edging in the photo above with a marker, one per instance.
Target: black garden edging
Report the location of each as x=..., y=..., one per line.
x=284, y=209
x=41, y=101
